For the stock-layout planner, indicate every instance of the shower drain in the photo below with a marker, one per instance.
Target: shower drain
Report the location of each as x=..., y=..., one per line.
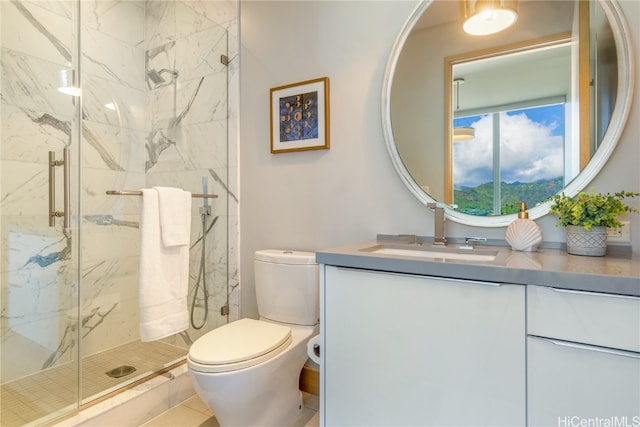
x=120, y=371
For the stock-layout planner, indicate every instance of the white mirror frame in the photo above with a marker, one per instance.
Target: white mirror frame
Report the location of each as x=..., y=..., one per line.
x=619, y=118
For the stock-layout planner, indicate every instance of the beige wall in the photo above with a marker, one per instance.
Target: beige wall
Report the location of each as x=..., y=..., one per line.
x=320, y=199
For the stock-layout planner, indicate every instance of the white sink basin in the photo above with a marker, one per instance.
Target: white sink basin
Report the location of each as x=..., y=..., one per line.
x=433, y=252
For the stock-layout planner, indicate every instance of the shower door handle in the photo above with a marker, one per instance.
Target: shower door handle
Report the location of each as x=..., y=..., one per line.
x=66, y=212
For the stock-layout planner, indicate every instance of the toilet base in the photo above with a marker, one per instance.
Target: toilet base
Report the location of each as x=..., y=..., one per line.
x=264, y=409
x=262, y=395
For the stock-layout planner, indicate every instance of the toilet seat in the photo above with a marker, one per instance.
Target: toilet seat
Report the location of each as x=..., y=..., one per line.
x=238, y=345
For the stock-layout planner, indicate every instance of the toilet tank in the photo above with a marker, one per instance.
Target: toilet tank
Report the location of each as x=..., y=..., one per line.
x=287, y=286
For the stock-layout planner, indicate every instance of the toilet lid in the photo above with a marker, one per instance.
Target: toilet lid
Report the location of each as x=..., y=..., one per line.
x=241, y=341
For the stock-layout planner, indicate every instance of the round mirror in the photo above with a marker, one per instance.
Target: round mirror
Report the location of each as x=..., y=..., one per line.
x=483, y=122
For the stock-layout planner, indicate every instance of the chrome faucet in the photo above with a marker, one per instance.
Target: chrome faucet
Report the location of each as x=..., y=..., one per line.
x=468, y=242
x=438, y=223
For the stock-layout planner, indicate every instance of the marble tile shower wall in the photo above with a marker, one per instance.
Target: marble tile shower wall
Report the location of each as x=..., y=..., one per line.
x=170, y=133
x=112, y=158
x=187, y=113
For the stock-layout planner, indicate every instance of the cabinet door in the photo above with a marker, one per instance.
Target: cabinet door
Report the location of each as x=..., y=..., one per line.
x=412, y=350
x=574, y=385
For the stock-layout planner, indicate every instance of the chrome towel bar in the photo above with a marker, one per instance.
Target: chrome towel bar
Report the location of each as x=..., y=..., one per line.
x=139, y=193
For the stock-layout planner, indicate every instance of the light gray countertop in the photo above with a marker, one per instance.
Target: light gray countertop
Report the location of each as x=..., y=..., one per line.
x=614, y=273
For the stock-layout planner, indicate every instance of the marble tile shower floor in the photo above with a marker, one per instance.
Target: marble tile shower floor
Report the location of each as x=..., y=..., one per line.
x=28, y=399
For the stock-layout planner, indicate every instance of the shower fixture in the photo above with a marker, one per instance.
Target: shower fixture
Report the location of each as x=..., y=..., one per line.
x=205, y=211
x=156, y=75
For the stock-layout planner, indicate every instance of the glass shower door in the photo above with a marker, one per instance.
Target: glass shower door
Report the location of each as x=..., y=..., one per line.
x=39, y=262
x=70, y=305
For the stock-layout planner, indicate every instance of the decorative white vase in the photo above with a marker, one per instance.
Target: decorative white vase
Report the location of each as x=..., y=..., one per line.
x=592, y=242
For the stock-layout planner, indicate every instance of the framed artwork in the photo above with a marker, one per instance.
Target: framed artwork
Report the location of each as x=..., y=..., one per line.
x=300, y=116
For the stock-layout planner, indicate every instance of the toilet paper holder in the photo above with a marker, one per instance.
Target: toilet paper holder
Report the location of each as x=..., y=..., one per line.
x=313, y=349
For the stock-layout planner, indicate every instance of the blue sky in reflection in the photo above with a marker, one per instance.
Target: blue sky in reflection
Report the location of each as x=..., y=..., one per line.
x=531, y=147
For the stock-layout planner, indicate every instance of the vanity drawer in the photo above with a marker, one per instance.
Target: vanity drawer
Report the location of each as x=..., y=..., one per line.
x=568, y=382
x=585, y=317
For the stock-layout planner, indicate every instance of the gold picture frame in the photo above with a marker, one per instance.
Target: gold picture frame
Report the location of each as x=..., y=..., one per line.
x=300, y=116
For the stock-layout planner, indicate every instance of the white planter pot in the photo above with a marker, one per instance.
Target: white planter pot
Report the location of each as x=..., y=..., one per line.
x=592, y=242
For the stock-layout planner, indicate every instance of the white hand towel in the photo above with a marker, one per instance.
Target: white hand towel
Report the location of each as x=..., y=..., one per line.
x=164, y=276
x=175, y=215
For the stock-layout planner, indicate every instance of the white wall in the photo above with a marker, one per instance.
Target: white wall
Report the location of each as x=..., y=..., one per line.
x=321, y=199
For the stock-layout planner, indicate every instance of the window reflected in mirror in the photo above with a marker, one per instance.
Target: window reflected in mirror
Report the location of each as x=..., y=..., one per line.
x=516, y=156
x=516, y=102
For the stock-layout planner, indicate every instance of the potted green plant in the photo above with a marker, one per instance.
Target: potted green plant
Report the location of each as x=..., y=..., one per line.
x=587, y=215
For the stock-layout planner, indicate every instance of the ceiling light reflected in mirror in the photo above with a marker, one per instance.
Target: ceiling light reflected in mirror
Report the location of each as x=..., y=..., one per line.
x=461, y=133
x=484, y=17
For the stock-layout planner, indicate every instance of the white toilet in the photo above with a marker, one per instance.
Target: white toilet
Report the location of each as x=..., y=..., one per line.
x=247, y=371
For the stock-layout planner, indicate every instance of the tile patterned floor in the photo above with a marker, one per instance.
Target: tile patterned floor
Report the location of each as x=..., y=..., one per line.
x=194, y=413
x=30, y=398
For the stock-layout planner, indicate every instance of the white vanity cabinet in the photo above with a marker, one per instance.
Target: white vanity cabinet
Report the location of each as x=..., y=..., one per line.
x=403, y=350
x=583, y=358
